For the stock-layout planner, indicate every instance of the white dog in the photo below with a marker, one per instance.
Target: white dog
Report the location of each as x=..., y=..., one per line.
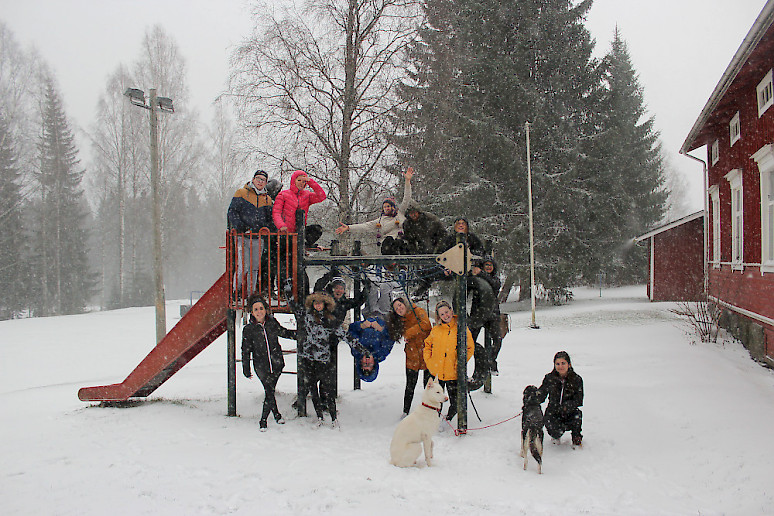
x=418, y=428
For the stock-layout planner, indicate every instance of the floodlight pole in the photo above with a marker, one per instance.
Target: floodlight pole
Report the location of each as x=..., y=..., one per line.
x=531, y=231
x=158, y=273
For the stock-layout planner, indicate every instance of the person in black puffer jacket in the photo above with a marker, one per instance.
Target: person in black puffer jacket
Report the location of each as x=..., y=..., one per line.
x=564, y=389
x=491, y=319
x=261, y=347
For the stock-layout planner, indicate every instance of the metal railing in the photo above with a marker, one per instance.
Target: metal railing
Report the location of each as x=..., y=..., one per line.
x=261, y=262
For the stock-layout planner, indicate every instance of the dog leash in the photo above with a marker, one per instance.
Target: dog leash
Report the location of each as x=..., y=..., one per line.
x=458, y=432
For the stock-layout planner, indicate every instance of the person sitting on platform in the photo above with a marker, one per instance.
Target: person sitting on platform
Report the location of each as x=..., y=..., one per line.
x=385, y=232
x=423, y=232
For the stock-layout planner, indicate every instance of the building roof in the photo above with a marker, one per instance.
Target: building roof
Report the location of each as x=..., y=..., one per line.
x=734, y=78
x=670, y=225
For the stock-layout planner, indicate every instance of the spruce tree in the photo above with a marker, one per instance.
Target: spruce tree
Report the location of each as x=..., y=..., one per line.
x=65, y=283
x=481, y=69
x=630, y=174
x=12, y=241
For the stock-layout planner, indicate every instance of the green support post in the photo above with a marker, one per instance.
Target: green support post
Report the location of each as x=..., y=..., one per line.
x=462, y=341
x=231, y=360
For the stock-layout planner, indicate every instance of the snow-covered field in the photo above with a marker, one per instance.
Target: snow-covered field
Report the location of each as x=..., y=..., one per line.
x=670, y=427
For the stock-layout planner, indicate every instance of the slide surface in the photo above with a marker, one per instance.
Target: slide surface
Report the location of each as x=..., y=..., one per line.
x=199, y=327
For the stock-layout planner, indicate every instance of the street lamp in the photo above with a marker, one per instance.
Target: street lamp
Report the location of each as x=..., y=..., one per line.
x=154, y=104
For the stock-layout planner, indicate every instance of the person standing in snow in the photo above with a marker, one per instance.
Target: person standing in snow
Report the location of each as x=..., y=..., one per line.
x=410, y=322
x=322, y=333
x=386, y=230
x=261, y=347
x=440, y=352
x=564, y=389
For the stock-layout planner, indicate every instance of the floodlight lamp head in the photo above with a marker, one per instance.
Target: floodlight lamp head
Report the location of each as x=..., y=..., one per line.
x=136, y=97
x=165, y=104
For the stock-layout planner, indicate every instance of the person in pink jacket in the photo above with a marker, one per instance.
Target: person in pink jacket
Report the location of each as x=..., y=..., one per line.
x=294, y=198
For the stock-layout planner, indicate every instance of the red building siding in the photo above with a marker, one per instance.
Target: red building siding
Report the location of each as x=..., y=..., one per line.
x=743, y=288
x=677, y=268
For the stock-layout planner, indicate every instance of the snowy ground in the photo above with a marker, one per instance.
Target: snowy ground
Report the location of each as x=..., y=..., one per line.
x=670, y=427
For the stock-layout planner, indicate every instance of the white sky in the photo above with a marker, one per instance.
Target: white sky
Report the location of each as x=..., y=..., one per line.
x=679, y=47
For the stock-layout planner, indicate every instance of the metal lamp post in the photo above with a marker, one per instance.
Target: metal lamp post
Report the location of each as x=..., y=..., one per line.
x=153, y=105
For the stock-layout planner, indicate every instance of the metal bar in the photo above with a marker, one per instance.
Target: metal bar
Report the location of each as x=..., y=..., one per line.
x=231, y=360
x=299, y=293
x=356, y=251
x=416, y=259
x=462, y=341
x=488, y=348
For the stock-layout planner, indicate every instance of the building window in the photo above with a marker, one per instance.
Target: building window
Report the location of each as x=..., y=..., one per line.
x=715, y=203
x=765, y=94
x=764, y=157
x=715, y=152
x=734, y=128
x=737, y=219
x=767, y=212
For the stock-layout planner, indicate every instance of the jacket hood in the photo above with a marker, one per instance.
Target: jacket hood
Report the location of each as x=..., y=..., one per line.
x=297, y=173
x=330, y=304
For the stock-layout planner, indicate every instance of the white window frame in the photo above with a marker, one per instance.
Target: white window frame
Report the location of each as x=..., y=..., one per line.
x=765, y=94
x=764, y=157
x=734, y=129
x=734, y=179
x=715, y=152
x=714, y=194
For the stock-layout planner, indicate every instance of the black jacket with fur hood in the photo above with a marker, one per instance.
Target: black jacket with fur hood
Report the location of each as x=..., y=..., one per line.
x=322, y=330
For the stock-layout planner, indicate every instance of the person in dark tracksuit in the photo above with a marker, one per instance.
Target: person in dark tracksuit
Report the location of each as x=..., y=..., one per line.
x=564, y=389
x=261, y=347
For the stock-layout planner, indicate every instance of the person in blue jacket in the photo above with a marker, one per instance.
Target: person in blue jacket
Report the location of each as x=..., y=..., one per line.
x=373, y=336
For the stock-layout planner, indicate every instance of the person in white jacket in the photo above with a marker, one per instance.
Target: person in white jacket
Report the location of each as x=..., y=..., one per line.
x=385, y=233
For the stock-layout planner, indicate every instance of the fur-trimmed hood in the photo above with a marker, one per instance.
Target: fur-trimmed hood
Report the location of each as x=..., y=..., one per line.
x=330, y=304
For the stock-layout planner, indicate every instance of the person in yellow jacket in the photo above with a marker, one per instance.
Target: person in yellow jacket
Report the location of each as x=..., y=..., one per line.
x=410, y=322
x=440, y=352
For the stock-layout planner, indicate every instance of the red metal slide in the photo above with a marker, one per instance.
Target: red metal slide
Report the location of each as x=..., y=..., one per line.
x=202, y=324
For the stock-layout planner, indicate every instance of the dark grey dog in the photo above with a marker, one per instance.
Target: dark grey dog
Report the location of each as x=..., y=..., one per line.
x=532, y=427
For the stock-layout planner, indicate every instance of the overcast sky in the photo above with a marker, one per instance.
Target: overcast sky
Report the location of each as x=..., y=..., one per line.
x=680, y=48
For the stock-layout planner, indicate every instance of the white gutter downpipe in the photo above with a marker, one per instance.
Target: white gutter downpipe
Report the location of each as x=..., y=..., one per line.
x=705, y=195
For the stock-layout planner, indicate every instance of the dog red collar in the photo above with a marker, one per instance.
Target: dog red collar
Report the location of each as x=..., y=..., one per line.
x=431, y=407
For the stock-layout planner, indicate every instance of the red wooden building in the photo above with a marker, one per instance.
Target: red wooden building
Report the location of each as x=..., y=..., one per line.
x=676, y=259
x=737, y=128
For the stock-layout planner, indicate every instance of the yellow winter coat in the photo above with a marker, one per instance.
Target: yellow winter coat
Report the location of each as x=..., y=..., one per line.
x=416, y=328
x=441, y=350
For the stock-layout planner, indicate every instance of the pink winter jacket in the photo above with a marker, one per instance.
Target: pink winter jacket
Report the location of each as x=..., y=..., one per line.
x=288, y=201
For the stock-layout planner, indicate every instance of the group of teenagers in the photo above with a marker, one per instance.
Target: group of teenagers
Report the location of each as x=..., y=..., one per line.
x=389, y=316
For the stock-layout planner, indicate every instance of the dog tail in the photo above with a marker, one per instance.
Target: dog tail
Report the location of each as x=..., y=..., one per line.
x=536, y=444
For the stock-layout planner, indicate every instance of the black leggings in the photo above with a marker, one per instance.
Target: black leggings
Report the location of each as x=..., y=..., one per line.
x=451, y=390
x=411, y=383
x=269, y=381
x=493, y=326
x=324, y=397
